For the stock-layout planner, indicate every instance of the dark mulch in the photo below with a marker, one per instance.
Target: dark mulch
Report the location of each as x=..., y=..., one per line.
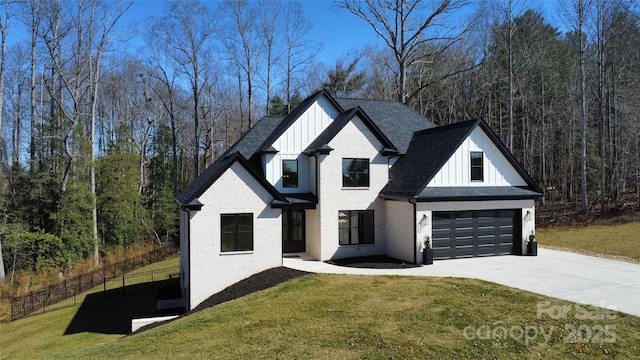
x=275, y=276
x=257, y=282
x=373, y=262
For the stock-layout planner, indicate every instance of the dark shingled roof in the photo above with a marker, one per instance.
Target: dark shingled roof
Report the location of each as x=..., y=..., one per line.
x=250, y=143
x=213, y=172
x=429, y=150
x=297, y=201
x=470, y=193
x=401, y=130
x=397, y=121
x=320, y=144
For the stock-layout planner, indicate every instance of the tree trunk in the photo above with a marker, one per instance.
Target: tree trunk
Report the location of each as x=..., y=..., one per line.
x=583, y=107
x=510, y=60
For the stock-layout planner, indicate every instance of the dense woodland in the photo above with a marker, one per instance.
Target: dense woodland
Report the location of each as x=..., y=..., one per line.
x=103, y=122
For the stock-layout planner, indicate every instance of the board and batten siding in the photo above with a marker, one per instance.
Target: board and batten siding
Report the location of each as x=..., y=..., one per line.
x=212, y=270
x=295, y=140
x=498, y=171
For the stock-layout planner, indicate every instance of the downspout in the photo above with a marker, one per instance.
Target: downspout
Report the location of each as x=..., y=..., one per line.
x=194, y=205
x=317, y=207
x=184, y=272
x=415, y=232
x=317, y=176
x=188, y=275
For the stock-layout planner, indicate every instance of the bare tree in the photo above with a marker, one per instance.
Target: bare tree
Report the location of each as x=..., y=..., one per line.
x=406, y=26
x=242, y=41
x=93, y=23
x=15, y=93
x=299, y=49
x=55, y=28
x=4, y=27
x=580, y=10
x=164, y=89
x=100, y=21
x=185, y=33
x=575, y=14
x=270, y=22
x=33, y=11
x=601, y=13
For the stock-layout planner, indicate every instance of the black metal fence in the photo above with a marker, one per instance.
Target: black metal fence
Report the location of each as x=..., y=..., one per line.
x=68, y=292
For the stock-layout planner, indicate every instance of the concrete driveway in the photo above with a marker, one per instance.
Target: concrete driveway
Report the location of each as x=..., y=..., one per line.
x=577, y=278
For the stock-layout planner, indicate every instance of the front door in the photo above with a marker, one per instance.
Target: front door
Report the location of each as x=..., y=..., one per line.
x=293, y=229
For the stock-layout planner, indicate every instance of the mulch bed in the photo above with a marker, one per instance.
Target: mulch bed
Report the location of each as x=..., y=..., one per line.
x=275, y=276
x=373, y=262
x=257, y=282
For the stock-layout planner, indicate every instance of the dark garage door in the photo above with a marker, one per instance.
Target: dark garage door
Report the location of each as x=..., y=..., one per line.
x=463, y=234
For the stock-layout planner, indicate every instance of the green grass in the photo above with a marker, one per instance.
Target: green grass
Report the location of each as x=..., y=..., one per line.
x=346, y=317
x=613, y=240
x=39, y=336
x=169, y=262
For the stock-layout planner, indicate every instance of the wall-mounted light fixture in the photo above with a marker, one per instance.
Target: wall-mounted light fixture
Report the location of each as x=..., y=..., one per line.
x=424, y=221
x=528, y=217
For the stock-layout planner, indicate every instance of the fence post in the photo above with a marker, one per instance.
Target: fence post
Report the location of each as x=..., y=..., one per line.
x=123, y=291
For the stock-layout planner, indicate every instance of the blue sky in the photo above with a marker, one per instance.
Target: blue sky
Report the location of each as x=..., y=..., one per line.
x=338, y=30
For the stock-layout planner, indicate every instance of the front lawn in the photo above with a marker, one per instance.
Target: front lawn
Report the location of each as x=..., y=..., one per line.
x=353, y=317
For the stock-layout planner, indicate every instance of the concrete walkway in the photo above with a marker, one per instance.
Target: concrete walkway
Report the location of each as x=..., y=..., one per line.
x=577, y=278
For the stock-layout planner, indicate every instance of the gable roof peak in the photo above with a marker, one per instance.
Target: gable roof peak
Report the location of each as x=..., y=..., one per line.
x=290, y=118
x=322, y=141
x=411, y=173
x=211, y=174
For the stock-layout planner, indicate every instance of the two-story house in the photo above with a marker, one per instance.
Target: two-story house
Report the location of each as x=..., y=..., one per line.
x=340, y=178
